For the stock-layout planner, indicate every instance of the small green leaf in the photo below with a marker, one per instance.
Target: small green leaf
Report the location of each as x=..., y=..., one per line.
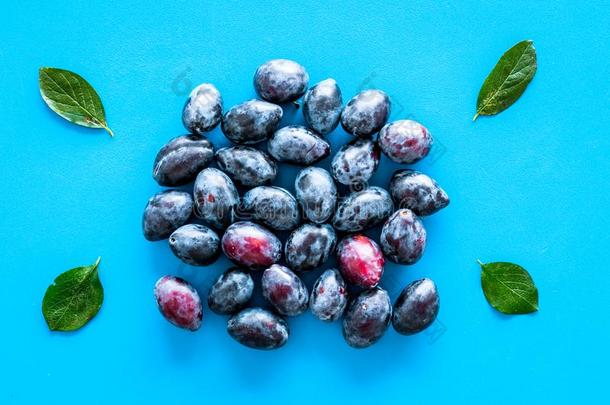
x=508, y=79
x=509, y=288
x=72, y=97
x=73, y=299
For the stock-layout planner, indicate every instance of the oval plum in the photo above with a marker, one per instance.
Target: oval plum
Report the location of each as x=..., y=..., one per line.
x=360, y=260
x=251, y=245
x=195, y=244
x=179, y=302
x=403, y=237
x=367, y=318
x=280, y=80
x=216, y=198
x=285, y=290
x=405, y=141
x=181, y=159
x=258, y=329
x=165, y=212
x=231, y=292
x=416, y=307
x=328, y=296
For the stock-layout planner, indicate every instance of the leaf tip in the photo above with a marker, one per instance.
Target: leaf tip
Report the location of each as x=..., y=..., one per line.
x=44, y=70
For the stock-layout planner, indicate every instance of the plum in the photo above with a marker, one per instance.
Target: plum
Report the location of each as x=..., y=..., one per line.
x=179, y=302
x=285, y=290
x=202, y=111
x=231, y=292
x=360, y=260
x=165, y=212
x=251, y=245
x=416, y=307
x=280, y=80
x=366, y=113
x=367, y=318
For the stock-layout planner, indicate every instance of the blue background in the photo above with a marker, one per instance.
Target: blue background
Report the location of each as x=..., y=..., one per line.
x=529, y=186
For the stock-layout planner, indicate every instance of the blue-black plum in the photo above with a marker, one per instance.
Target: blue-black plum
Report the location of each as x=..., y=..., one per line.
x=195, y=244
x=258, y=329
x=322, y=106
x=202, y=111
x=231, y=292
x=416, y=307
x=280, y=80
x=165, y=212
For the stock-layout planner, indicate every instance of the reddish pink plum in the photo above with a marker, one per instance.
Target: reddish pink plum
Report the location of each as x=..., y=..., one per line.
x=360, y=261
x=251, y=245
x=179, y=302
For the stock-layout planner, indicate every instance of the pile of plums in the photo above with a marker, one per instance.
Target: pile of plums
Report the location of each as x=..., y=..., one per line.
x=243, y=226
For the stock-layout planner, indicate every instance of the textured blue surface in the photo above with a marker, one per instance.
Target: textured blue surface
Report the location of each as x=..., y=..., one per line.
x=529, y=185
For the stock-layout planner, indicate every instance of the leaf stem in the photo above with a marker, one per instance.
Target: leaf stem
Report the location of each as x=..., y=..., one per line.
x=480, y=263
x=97, y=262
x=105, y=126
x=475, y=116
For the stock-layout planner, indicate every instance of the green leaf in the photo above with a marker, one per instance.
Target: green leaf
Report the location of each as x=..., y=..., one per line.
x=72, y=97
x=73, y=299
x=509, y=288
x=508, y=79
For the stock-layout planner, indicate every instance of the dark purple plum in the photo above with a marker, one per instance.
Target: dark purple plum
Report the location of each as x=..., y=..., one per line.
x=179, y=161
x=405, y=141
x=271, y=206
x=403, y=237
x=316, y=193
x=203, y=109
x=366, y=113
x=363, y=210
x=328, y=296
x=251, y=122
x=416, y=307
x=285, y=290
x=417, y=192
x=322, y=105
x=309, y=246
x=360, y=260
x=216, y=198
x=356, y=162
x=179, y=302
x=280, y=80
x=297, y=145
x=165, y=212
x=247, y=166
x=195, y=244
x=251, y=245
x=231, y=292
x=258, y=329
x=367, y=318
